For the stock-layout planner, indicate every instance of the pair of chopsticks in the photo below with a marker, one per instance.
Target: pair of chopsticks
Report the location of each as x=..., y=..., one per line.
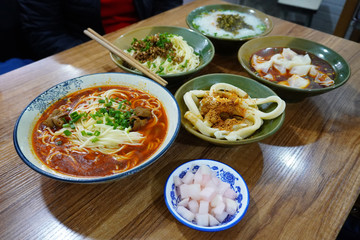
x=125, y=57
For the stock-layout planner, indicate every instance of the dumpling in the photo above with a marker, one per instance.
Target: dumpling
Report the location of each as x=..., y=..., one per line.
x=260, y=64
x=288, y=53
x=301, y=70
x=298, y=82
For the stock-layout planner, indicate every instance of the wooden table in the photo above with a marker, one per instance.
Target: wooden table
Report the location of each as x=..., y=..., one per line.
x=303, y=180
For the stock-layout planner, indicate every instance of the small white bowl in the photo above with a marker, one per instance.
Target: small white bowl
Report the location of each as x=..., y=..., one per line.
x=223, y=172
x=30, y=115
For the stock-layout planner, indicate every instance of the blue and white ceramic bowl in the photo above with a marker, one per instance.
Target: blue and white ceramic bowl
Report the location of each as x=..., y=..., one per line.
x=223, y=172
x=28, y=118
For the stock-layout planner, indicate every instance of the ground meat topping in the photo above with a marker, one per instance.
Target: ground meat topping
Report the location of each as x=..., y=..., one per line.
x=158, y=45
x=223, y=111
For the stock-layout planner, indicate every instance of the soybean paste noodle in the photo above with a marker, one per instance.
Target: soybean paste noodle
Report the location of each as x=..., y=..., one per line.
x=100, y=131
x=164, y=53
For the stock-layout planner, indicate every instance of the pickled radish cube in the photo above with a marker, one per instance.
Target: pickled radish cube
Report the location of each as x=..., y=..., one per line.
x=210, y=182
x=213, y=221
x=230, y=193
x=222, y=187
x=208, y=193
x=184, y=191
x=185, y=213
x=203, y=207
x=216, y=200
x=188, y=177
x=194, y=191
x=216, y=180
x=231, y=206
x=193, y=206
x=202, y=219
x=219, y=209
x=198, y=177
x=221, y=217
x=184, y=202
x=177, y=181
x=205, y=170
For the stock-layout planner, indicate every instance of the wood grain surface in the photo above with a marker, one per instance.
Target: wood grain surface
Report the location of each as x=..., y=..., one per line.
x=303, y=180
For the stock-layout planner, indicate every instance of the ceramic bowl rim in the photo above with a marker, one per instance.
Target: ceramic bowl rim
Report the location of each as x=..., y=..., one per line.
x=109, y=178
x=235, y=221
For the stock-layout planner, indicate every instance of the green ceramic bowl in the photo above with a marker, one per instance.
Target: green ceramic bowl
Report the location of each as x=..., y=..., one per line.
x=201, y=45
x=225, y=45
x=252, y=87
x=341, y=67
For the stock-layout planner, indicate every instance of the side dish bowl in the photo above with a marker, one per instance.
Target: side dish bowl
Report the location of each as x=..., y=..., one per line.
x=254, y=90
x=22, y=135
x=198, y=42
x=226, y=174
x=225, y=45
x=341, y=67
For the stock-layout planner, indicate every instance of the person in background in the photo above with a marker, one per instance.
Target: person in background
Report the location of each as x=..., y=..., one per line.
x=51, y=26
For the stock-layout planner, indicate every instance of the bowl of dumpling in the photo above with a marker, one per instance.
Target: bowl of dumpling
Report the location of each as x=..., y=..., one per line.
x=294, y=68
x=229, y=25
x=229, y=110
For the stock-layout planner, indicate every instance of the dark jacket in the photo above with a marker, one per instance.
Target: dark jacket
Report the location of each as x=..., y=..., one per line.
x=51, y=26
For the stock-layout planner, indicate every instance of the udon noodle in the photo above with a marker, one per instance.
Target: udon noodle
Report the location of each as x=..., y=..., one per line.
x=165, y=54
x=100, y=131
x=228, y=112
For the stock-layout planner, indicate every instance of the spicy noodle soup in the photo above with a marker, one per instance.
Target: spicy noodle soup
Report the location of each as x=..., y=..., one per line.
x=100, y=131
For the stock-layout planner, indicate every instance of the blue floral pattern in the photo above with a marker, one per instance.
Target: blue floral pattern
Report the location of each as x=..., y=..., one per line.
x=53, y=94
x=225, y=176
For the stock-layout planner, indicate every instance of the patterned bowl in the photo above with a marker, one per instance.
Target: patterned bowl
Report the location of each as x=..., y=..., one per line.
x=23, y=129
x=224, y=173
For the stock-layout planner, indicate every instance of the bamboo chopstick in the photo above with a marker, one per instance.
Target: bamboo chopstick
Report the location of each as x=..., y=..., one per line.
x=125, y=57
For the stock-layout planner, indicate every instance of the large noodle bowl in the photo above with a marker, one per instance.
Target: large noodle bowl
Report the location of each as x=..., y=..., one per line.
x=100, y=131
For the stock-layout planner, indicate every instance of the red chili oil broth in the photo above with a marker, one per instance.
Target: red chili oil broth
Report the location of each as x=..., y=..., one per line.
x=105, y=163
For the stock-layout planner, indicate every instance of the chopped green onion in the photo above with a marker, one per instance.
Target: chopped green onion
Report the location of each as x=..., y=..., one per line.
x=74, y=115
x=67, y=132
